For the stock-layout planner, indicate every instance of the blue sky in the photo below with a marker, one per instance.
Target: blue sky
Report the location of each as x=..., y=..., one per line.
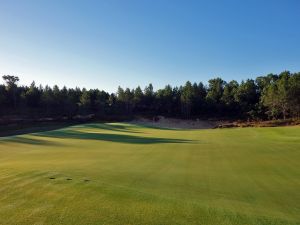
x=103, y=44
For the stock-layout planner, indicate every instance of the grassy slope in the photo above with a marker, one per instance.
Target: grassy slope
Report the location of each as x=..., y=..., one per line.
x=125, y=174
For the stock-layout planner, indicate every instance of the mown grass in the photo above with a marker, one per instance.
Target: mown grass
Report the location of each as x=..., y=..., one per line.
x=127, y=174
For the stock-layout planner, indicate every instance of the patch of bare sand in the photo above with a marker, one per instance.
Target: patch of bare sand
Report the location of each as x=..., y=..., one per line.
x=163, y=122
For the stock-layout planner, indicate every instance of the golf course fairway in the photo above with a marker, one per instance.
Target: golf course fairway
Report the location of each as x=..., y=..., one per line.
x=120, y=174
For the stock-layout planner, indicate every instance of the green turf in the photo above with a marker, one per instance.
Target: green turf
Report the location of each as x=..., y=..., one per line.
x=126, y=174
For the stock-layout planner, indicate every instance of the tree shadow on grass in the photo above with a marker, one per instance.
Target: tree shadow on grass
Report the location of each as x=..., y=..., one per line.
x=27, y=140
x=157, y=127
x=112, y=127
x=119, y=138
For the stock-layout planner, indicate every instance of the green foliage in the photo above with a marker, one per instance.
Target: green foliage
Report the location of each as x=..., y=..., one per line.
x=138, y=95
x=186, y=98
x=11, y=85
x=230, y=93
x=165, y=100
x=33, y=96
x=281, y=96
x=215, y=89
x=2, y=95
x=247, y=96
x=85, y=98
x=11, y=81
x=294, y=95
x=273, y=96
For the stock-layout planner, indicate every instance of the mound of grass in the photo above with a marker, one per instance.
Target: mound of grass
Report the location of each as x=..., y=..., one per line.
x=128, y=174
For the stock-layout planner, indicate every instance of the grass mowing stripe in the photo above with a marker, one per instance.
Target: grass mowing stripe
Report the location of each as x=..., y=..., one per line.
x=142, y=175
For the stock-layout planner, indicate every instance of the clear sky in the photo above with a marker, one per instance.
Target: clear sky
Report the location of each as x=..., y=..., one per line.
x=103, y=44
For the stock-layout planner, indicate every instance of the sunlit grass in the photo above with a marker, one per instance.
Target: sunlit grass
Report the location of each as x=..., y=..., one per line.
x=127, y=174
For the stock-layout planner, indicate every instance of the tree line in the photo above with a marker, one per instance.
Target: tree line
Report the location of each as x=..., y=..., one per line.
x=266, y=97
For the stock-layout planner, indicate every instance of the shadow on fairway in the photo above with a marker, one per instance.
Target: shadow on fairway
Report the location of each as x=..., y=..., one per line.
x=112, y=127
x=157, y=127
x=27, y=140
x=120, y=138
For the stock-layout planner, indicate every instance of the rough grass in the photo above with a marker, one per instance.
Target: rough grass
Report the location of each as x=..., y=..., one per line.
x=127, y=174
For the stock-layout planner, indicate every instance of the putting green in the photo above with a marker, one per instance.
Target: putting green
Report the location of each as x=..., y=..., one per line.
x=127, y=174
